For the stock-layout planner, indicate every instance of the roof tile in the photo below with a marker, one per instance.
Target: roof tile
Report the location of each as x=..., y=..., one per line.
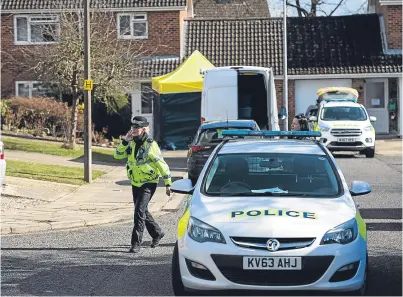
x=74, y=4
x=320, y=45
x=156, y=67
x=220, y=9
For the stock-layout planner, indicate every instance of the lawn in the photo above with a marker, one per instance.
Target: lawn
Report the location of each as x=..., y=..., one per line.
x=54, y=148
x=54, y=173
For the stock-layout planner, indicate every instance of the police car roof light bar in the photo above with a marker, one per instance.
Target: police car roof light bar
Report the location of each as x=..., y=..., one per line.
x=271, y=133
x=340, y=100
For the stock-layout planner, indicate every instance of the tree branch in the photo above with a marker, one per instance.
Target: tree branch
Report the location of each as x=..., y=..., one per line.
x=337, y=6
x=298, y=8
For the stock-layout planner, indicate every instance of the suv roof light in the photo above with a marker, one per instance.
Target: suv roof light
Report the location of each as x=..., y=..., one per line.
x=269, y=133
x=340, y=100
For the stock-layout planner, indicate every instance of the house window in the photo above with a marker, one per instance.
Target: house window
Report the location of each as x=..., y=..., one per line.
x=30, y=89
x=36, y=29
x=132, y=26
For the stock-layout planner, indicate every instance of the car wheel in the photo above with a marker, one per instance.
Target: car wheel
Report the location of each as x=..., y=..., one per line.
x=370, y=153
x=177, y=284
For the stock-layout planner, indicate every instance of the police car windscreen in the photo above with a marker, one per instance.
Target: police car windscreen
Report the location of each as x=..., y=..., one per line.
x=269, y=174
x=343, y=113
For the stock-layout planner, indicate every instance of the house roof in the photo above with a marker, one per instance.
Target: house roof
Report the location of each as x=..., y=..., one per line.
x=320, y=45
x=155, y=67
x=75, y=4
x=230, y=9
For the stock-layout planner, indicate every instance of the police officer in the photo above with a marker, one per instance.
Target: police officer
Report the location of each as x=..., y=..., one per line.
x=144, y=167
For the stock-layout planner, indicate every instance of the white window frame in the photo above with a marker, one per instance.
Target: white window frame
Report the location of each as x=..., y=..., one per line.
x=31, y=86
x=132, y=20
x=56, y=20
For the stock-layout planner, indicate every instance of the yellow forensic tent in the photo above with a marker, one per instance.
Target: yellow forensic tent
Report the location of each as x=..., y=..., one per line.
x=186, y=78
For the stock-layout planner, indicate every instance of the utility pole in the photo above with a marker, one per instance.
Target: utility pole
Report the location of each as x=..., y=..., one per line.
x=88, y=85
x=285, y=81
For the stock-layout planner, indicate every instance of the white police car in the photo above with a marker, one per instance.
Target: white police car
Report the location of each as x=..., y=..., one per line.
x=270, y=214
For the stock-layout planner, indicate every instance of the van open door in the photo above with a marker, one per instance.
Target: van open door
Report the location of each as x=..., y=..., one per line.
x=272, y=109
x=220, y=95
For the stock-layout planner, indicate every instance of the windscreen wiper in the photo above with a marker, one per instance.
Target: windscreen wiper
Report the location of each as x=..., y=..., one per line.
x=263, y=194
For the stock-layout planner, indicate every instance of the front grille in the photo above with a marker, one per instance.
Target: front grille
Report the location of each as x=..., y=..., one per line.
x=261, y=242
x=341, y=144
x=346, y=132
x=312, y=270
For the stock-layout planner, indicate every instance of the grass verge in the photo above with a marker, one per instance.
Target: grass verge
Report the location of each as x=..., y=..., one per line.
x=54, y=148
x=54, y=173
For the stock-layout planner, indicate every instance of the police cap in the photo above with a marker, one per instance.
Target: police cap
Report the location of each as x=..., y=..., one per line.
x=139, y=122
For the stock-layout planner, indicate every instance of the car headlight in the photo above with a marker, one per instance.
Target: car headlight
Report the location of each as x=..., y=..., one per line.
x=202, y=232
x=323, y=129
x=368, y=128
x=343, y=234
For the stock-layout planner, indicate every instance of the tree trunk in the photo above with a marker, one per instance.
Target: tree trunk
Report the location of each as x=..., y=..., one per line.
x=314, y=7
x=74, y=114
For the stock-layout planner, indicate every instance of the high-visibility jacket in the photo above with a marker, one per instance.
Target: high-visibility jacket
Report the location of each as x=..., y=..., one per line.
x=315, y=126
x=147, y=166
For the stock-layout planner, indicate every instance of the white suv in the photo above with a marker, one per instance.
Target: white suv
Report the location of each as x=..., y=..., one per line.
x=345, y=125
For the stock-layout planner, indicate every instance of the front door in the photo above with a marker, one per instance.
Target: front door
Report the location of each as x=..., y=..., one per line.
x=376, y=103
x=142, y=103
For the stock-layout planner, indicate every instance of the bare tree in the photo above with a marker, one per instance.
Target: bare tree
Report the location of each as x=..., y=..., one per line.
x=313, y=8
x=113, y=60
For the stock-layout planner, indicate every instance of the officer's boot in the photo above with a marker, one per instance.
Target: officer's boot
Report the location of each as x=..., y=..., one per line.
x=135, y=248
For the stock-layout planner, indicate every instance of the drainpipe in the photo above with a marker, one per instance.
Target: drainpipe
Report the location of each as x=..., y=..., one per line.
x=285, y=81
x=399, y=106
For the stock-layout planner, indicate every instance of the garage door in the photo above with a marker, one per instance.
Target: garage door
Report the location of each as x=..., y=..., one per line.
x=305, y=91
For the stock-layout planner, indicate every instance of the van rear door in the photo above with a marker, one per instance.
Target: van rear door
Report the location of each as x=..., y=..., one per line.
x=220, y=95
x=272, y=110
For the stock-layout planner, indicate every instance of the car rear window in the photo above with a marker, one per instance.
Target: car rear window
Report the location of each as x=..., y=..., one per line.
x=303, y=175
x=207, y=135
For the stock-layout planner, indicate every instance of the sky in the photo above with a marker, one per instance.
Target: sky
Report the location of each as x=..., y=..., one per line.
x=347, y=7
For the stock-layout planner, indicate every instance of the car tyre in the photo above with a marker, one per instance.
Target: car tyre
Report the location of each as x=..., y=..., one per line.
x=177, y=284
x=370, y=153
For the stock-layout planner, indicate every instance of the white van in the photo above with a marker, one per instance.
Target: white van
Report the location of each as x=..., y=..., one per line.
x=240, y=92
x=344, y=123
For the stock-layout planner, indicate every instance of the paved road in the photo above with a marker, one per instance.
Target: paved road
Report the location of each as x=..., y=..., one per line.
x=94, y=261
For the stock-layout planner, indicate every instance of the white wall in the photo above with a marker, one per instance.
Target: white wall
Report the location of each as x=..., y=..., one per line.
x=305, y=91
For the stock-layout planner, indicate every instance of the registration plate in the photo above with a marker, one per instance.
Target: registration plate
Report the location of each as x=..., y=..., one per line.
x=346, y=139
x=272, y=263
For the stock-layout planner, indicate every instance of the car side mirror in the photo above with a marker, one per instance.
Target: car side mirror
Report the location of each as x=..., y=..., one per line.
x=313, y=118
x=283, y=113
x=189, y=139
x=359, y=188
x=182, y=186
x=372, y=119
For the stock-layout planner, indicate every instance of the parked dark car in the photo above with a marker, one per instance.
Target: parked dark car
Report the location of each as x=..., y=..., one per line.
x=206, y=139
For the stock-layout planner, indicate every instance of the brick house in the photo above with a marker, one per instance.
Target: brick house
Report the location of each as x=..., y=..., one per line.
x=322, y=51
x=20, y=18
x=22, y=22
x=391, y=14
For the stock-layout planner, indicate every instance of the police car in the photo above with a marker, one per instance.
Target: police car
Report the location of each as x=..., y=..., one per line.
x=270, y=214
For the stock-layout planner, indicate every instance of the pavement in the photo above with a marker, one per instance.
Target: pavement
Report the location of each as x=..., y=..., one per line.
x=32, y=205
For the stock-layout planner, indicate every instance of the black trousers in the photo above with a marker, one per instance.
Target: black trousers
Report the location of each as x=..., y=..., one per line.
x=142, y=217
